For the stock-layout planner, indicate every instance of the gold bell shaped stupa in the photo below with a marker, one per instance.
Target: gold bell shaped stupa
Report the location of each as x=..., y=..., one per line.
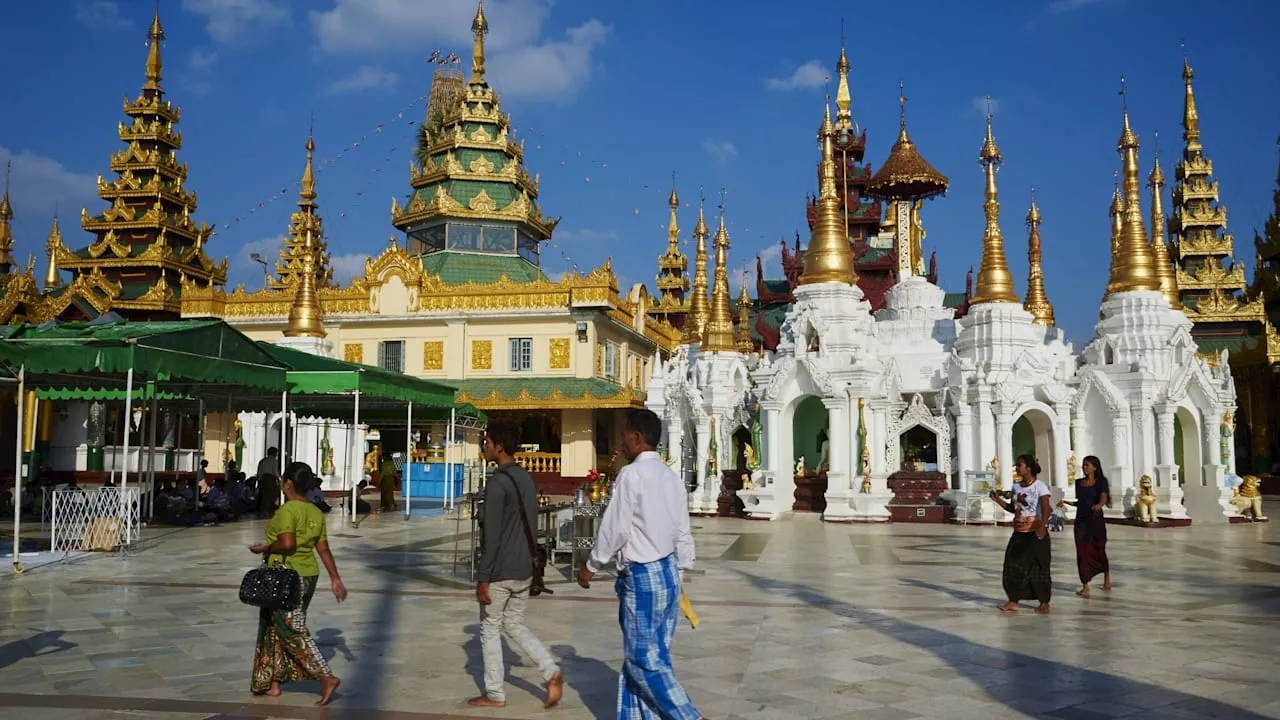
x=696, y=322
x=995, y=283
x=1133, y=266
x=1159, y=243
x=829, y=257
x=1037, y=302
x=718, y=336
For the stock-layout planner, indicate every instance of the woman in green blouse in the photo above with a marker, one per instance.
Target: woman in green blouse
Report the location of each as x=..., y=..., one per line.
x=285, y=651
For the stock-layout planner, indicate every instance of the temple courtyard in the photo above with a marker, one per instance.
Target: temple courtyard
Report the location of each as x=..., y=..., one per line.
x=800, y=619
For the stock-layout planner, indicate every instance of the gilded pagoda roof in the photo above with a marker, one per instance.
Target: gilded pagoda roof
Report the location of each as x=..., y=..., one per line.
x=906, y=175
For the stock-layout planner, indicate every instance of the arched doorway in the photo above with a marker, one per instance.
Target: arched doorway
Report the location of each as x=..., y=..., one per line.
x=1033, y=435
x=808, y=432
x=1094, y=434
x=1186, y=448
x=919, y=449
x=741, y=439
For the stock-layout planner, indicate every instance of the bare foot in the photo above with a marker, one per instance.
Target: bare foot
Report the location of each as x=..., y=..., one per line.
x=273, y=691
x=555, y=689
x=327, y=687
x=483, y=701
x=1042, y=609
x=1009, y=607
x=1106, y=588
x=1084, y=591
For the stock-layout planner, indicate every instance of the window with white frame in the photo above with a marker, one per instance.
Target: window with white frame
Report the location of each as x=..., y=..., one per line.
x=391, y=355
x=521, y=354
x=611, y=360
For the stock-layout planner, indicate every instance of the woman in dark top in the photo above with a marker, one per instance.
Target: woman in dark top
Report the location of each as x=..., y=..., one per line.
x=1093, y=493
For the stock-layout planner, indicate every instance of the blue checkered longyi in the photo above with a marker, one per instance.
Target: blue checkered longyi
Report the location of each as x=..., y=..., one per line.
x=648, y=609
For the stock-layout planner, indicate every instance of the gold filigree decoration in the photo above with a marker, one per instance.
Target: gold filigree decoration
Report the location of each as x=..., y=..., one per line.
x=353, y=352
x=559, y=353
x=482, y=165
x=1212, y=275
x=481, y=354
x=626, y=397
x=1220, y=307
x=480, y=135
x=481, y=202
x=433, y=355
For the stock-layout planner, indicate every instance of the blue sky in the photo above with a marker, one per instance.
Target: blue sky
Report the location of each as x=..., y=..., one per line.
x=613, y=97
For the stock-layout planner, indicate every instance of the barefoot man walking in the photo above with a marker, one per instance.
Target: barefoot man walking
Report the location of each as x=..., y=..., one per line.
x=646, y=530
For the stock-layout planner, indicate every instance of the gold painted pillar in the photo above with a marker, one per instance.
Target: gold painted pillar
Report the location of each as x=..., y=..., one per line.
x=577, y=442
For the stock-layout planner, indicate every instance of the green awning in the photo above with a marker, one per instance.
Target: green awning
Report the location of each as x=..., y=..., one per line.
x=323, y=386
x=185, y=358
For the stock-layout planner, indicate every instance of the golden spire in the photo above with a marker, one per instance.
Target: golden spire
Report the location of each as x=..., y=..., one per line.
x=1190, y=118
x=995, y=283
x=51, y=279
x=155, y=35
x=305, y=315
x=6, y=214
x=696, y=323
x=673, y=227
x=1117, y=214
x=307, y=194
x=1159, y=245
x=1132, y=265
x=718, y=335
x=829, y=257
x=743, y=339
x=1037, y=302
x=480, y=28
x=844, y=116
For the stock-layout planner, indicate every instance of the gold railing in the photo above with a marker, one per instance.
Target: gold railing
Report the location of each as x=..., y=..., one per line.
x=539, y=462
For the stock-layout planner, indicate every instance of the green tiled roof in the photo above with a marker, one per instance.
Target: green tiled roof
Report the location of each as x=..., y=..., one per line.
x=874, y=254
x=953, y=300
x=1231, y=343
x=540, y=390
x=781, y=287
x=457, y=268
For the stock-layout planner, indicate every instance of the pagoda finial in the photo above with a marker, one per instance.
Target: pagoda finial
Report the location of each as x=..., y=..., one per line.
x=902, y=112
x=742, y=338
x=1190, y=118
x=308, y=191
x=6, y=234
x=844, y=101
x=995, y=283
x=306, y=318
x=1132, y=264
x=479, y=28
x=673, y=229
x=52, y=245
x=1037, y=302
x=1159, y=243
x=155, y=36
x=829, y=257
x=696, y=323
x=718, y=334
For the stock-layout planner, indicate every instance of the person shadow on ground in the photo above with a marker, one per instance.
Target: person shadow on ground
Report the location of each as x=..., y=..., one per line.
x=510, y=659
x=44, y=643
x=331, y=642
x=594, y=681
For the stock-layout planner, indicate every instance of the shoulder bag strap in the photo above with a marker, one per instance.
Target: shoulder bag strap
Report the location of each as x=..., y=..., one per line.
x=524, y=518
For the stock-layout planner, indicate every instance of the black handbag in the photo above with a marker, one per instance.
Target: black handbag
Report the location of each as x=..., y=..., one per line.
x=273, y=587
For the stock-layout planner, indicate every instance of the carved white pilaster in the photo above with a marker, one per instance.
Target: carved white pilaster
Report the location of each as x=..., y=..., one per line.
x=839, y=470
x=1169, y=493
x=1061, y=444
x=964, y=443
x=1004, y=445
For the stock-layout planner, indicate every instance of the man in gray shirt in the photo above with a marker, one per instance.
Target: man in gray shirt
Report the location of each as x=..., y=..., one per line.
x=504, y=574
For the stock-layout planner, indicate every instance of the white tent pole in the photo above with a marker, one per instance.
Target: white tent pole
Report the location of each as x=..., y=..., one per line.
x=408, y=460
x=448, y=455
x=284, y=436
x=151, y=441
x=355, y=457
x=124, y=469
x=17, y=467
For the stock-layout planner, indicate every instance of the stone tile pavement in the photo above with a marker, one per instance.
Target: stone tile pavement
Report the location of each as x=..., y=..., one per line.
x=800, y=620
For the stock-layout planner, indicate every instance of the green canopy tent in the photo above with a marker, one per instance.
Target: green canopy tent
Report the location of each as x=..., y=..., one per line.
x=355, y=393
x=113, y=359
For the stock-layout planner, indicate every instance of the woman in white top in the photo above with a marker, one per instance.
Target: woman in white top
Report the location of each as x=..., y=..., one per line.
x=1027, y=559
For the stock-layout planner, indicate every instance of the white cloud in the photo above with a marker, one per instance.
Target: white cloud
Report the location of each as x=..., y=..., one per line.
x=347, y=267
x=519, y=61
x=243, y=269
x=101, y=14
x=366, y=77
x=769, y=255
x=201, y=61
x=809, y=75
x=586, y=235
x=231, y=20
x=721, y=150
x=40, y=184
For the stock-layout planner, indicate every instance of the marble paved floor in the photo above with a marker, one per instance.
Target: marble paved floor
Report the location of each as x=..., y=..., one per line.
x=800, y=620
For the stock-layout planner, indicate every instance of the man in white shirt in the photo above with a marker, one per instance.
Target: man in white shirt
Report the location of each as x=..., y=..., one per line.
x=645, y=530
